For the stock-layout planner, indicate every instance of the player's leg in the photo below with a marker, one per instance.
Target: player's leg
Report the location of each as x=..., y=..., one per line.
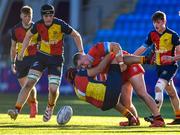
x=174, y=98
x=32, y=100
x=141, y=91
x=32, y=79
x=54, y=79
x=159, y=88
x=33, y=103
x=127, y=89
x=126, y=100
x=165, y=74
x=132, y=121
x=23, y=68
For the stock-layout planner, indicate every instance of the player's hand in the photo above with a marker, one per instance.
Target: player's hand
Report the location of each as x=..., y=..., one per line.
x=20, y=56
x=167, y=59
x=13, y=68
x=123, y=67
x=119, y=58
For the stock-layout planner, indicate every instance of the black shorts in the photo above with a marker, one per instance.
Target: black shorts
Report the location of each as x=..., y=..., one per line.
x=166, y=72
x=52, y=63
x=113, y=87
x=22, y=67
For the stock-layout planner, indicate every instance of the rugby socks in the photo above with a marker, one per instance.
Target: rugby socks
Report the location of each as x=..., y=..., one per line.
x=18, y=107
x=177, y=114
x=158, y=118
x=50, y=105
x=145, y=60
x=142, y=60
x=127, y=113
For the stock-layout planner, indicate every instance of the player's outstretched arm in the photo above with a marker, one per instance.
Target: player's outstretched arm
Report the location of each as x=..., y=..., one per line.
x=140, y=50
x=78, y=40
x=25, y=44
x=132, y=59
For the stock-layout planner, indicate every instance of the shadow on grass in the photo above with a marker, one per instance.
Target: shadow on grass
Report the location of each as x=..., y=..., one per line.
x=93, y=128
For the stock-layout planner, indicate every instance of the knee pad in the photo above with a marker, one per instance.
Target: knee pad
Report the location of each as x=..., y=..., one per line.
x=53, y=79
x=161, y=84
x=33, y=76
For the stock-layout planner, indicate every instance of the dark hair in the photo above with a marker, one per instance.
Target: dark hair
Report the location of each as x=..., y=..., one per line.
x=47, y=9
x=158, y=15
x=70, y=75
x=26, y=10
x=76, y=57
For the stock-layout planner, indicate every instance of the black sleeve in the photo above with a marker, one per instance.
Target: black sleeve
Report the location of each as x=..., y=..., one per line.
x=148, y=41
x=66, y=28
x=33, y=29
x=175, y=39
x=13, y=35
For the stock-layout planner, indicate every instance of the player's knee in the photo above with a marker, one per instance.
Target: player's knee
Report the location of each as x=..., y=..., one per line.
x=160, y=85
x=54, y=82
x=53, y=89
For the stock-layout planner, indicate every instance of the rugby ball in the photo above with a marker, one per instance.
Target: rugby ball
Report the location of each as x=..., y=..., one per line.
x=64, y=115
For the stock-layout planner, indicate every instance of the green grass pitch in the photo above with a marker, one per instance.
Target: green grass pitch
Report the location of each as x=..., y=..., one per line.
x=86, y=119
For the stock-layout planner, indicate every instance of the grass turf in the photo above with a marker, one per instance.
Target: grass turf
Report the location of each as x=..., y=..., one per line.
x=86, y=119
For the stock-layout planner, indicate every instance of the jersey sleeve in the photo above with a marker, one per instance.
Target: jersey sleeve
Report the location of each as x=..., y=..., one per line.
x=175, y=39
x=98, y=50
x=33, y=29
x=13, y=36
x=106, y=47
x=66, y=28
x=148, y=42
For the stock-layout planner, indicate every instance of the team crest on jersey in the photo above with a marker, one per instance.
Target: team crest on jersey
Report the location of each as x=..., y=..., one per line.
x=36, y=63
x=55, y=34
x=164, y=72
x=166, y=41
x=135, y=69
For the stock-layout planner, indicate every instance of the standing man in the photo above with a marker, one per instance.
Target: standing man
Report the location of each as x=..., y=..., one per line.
x=50, y=56
x=165, y=41
x=21, y=68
